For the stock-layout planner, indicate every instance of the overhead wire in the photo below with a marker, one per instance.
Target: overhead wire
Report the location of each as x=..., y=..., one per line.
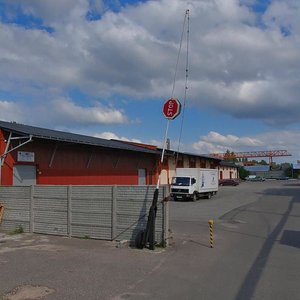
x=179, y=52
x=186, y=20
x=148, y=235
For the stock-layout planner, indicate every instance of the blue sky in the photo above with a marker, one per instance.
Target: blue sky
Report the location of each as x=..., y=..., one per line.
x=105, y=68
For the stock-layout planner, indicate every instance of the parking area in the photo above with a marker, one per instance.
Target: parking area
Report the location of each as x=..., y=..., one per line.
x=251, y=221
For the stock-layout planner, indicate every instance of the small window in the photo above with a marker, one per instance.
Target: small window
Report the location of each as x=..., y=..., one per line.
x=192, y=162
x=179, y=162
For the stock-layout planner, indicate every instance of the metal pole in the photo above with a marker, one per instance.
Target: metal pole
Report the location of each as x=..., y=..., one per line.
x=149, y=235
x=165, y=141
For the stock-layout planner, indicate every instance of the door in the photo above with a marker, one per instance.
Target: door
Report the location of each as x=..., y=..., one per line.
x=24, y=175
x=142, y=176
x=221, y=175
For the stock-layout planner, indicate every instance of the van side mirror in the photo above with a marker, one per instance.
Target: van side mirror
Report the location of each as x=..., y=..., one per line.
x=193, y=181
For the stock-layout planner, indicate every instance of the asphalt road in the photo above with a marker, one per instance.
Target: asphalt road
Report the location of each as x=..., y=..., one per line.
x=255, y=256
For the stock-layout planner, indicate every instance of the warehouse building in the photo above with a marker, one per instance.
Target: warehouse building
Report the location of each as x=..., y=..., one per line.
x=176, y=159
x=33, y=155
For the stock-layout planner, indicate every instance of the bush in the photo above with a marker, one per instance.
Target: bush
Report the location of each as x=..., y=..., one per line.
x=243, y=173
x=19, y=229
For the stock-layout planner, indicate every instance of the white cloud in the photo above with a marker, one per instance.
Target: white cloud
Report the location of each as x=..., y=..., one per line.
x=215, y=142
x=68, y=110
x=113, y=136
x=10, y=111
x=236, y=66
x=284, y=15
x=61, y=112
x=54, y=12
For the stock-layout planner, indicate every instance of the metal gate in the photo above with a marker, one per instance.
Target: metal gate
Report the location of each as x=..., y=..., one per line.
x=142, y=177
x=24, y=175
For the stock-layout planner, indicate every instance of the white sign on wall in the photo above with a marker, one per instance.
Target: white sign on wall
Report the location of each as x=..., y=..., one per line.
x=25, y=156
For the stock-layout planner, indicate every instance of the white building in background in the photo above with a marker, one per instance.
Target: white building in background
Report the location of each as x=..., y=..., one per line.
x=228, y=170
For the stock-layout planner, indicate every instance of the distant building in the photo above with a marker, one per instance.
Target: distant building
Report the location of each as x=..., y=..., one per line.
x=265, y=171
x=175, y=159
x=296, y=166
x=257, y=169
x=228, y=170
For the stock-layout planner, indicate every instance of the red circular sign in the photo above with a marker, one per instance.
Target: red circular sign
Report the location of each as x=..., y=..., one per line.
x=171, y=108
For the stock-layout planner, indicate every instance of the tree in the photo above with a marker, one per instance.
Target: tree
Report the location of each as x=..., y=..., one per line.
x=230, y=156
x=285, y=166
x=275, y=167
x=289, y=172
x=243, y=172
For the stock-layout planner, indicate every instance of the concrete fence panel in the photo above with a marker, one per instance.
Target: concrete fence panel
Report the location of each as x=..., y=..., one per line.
x=91, y=211
x=16, y=201
x=100, y=212
x=50, y=209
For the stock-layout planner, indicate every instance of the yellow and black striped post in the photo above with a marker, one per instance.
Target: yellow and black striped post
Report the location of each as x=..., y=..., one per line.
x=211, y=223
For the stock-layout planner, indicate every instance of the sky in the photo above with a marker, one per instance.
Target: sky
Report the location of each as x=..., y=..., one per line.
x=105, y=69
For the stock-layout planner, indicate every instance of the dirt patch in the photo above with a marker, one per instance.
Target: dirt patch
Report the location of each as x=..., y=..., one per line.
x=28, y=292
x=27, y=241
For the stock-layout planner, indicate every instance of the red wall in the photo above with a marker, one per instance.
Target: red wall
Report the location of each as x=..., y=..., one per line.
x=81, y=164
x=7, y=168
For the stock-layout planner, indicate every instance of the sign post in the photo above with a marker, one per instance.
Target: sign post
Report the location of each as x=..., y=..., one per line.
x=171, y=109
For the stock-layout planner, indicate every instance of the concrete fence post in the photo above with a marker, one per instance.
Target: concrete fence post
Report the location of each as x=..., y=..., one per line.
x=31, y=209
x=69, y=211
x=114, y=212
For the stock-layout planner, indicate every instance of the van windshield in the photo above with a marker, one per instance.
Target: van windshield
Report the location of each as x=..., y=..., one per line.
x=183, y=181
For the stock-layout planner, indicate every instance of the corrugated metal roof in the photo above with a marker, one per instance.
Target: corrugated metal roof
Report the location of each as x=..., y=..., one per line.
x=204, y=156
x=49, y=134
x=170, y=152
x=226, y=163
x=296, y=166
x=260, y=168
x=174, y=152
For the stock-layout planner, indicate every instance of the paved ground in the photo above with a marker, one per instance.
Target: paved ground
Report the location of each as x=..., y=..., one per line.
x=255, y=256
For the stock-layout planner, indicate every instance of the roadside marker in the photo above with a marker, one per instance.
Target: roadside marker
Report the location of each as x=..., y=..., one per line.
x=211, y=223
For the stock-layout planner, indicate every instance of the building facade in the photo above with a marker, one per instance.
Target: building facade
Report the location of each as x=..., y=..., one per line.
x=175, y=160
x=33, y=155
x=228, y=170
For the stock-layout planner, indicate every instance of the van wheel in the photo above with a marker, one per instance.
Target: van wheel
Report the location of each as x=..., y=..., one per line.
x=195, y=197
x=208, y=196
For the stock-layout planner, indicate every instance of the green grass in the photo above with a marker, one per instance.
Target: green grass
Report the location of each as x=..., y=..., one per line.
x=19, y=229
x=86, y=237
